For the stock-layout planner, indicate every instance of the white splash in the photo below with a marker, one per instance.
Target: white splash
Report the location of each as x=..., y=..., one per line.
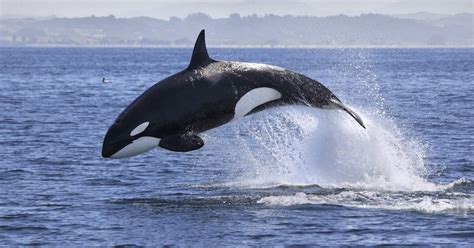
x=378, y=167
x=301, y=146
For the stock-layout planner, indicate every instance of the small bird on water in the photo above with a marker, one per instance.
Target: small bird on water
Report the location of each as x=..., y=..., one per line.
x=105, y=81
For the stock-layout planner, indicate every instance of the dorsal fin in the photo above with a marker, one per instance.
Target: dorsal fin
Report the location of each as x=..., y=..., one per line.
x=200, y=56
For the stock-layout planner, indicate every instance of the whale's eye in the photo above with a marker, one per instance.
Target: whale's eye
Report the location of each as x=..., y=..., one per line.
x=139, y=129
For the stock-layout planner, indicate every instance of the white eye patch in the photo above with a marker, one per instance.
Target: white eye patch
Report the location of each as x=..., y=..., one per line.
x=139, y=129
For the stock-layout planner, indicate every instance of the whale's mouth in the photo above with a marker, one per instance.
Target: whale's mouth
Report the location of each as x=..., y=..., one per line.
x=107, y=151
x=119, y=144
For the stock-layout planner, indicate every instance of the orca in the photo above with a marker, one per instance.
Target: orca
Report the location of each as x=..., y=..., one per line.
x=207, y=94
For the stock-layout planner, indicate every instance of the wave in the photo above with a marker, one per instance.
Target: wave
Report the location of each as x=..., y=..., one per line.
x=379, y=200
x=307, y=196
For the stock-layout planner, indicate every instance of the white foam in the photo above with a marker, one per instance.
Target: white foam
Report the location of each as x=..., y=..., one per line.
x=379, y=167
x=299, y=145
x=297, y=199
x=378, y=200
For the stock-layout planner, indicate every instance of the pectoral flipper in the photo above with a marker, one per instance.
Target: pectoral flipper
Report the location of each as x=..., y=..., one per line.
x=182, y=143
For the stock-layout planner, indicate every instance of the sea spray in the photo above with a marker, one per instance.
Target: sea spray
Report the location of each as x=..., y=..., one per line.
x=297, y=145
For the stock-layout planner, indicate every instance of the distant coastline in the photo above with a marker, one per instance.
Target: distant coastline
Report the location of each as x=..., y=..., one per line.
x=421, y=30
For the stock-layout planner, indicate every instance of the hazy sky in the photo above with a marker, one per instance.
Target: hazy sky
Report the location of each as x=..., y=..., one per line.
x=221, y=8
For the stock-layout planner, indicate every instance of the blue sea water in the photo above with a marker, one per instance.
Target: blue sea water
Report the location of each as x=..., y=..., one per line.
x=286, y=176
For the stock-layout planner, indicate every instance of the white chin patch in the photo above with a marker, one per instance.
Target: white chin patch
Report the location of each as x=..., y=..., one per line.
x=253, y=99
x=138, y=146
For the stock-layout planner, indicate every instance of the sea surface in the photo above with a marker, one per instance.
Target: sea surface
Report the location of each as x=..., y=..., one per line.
x=287, y=176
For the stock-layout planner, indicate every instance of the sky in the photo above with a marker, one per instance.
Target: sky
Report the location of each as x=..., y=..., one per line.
x=220, y=8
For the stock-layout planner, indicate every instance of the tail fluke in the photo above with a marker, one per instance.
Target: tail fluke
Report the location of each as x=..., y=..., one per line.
x=341, y=105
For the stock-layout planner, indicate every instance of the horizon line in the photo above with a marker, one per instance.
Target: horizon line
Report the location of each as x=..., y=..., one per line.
x=228, y=16
x=360, y=46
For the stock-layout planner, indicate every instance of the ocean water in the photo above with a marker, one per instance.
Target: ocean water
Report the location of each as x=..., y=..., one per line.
x=286, y=176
